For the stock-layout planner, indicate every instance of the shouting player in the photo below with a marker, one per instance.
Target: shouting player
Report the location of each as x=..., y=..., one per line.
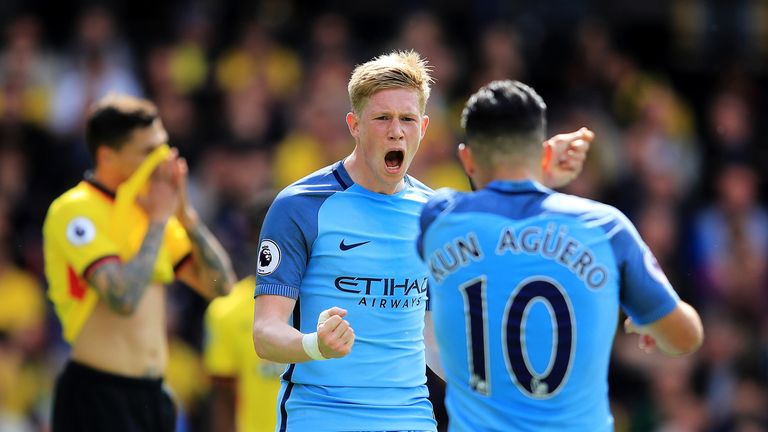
x=338, y=259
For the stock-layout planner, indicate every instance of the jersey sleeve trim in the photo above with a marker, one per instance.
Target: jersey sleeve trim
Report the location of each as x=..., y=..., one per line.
x=277, y=289
x=90, y=268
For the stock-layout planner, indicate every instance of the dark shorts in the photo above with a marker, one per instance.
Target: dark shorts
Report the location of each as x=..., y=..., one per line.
x=88, y=400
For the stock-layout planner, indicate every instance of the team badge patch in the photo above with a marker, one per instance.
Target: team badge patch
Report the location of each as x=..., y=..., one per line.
x=80, y=231
x=653, y=267
x=269, y=257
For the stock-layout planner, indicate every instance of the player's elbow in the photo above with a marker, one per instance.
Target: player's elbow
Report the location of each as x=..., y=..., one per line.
x=260, y=340
x=688, y=333
x=123, y=305
x=123, y=308
x=122, y=296
x=693, y=338
x=684, y=345
x=257, y=345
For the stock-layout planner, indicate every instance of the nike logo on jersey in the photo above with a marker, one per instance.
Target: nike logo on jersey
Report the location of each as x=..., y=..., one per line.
x=345, y=247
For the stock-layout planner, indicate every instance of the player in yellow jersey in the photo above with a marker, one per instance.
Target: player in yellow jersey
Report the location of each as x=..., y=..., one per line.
x=245, y=387
x=241, y=380
x=111, y=243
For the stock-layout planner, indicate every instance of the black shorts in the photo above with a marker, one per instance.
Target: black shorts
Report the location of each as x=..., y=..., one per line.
x=88, y=400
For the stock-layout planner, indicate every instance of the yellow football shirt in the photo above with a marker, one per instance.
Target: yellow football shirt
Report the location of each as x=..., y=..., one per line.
x=229, y=352
x=79, y=233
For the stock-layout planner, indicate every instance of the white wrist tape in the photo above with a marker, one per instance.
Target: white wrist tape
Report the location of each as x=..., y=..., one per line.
x=309, y=343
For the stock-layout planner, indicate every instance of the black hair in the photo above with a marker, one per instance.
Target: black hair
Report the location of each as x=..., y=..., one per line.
x=504, y=108
x=110, y=126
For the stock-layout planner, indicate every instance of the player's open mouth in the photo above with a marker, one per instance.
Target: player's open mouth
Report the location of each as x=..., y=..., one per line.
x=394, y=160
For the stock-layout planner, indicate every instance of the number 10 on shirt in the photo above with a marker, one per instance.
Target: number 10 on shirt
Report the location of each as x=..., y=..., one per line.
x=513, y=336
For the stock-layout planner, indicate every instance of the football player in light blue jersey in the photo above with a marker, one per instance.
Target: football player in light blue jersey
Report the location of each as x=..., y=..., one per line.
x=339, y=277
x=526, y=283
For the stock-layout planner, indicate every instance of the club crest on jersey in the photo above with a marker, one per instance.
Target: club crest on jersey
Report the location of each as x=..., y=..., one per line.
x=269, y=257
x=80, y=231
x=653, y=267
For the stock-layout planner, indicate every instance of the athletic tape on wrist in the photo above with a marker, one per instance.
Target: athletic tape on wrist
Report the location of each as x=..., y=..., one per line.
x=311, y=347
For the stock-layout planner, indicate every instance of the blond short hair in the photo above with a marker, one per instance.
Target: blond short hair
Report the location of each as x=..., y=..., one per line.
x=398, y=69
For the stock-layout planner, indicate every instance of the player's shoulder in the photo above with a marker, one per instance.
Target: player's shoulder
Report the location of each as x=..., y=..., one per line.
x=441, y=201
x=316, y=186
x=76, y=195
x=589, y=211
x=81, y=199
x=443, y=198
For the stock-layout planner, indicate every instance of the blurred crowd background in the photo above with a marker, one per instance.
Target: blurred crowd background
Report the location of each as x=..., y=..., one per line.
x=253, y=93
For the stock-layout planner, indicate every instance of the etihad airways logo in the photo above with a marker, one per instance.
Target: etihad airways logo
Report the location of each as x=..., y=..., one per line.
x=385, y=292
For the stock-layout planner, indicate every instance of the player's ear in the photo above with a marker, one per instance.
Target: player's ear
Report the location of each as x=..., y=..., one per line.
x=424, y=124
x=352, y=124
x=466, y=159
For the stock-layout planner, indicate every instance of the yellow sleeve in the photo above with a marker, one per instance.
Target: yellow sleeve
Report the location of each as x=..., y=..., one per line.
x=81, y=233
x=177, y=242
x=220, y=353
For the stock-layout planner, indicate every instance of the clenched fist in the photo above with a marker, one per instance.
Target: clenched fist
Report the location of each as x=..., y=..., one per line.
x=335, y=336
x=564, y=156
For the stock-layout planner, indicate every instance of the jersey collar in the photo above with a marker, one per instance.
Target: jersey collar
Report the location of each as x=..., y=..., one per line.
x=345, y=180
x=517, y=186
x=342, y=176
x=88, y=178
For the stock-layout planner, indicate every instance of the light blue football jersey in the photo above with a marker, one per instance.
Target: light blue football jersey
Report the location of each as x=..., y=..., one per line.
x=326, y=242
x=525, y=289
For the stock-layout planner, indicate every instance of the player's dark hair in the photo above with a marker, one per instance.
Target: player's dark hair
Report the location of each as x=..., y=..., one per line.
x=505, y=109
x=111, y=125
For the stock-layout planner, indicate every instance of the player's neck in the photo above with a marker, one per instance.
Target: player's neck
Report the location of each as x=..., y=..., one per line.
x=506, y=173
x=111, y=182
x=362, y=175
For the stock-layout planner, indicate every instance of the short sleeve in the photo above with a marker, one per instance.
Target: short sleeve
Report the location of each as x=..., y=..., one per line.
x=177, y=242
x=219, y=353
x=285, y=246
x=646, y=294
x=81, y=235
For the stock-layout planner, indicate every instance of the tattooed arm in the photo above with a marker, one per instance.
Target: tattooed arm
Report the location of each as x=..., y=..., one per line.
x=121, y=285
x=211, y=271
x=211, y=274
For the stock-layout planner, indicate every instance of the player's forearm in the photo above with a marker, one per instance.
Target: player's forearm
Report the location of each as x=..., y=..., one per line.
x=688, y=333
x=679, y=333
x=278, y=342
x=122, y=287
x=211, y=262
